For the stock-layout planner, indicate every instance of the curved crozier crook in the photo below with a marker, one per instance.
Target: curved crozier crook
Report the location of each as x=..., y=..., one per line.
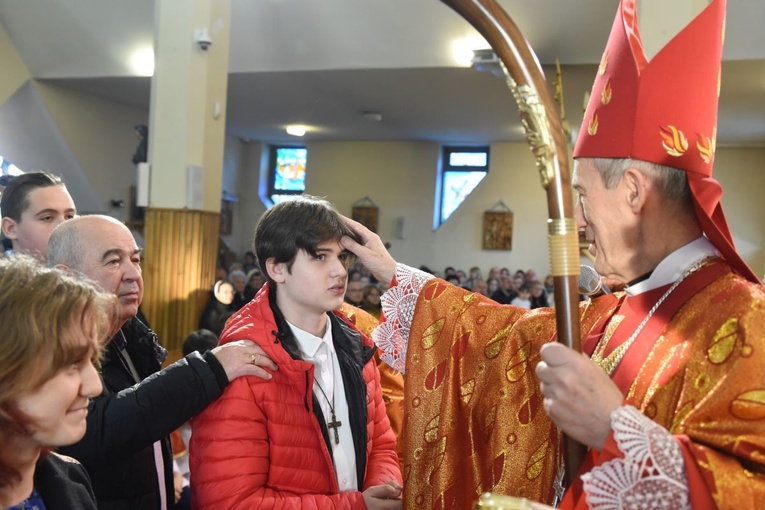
x=546, y=139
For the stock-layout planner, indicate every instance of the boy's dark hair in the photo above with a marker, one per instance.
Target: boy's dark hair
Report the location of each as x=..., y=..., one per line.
x=15, y=196
x=201, y=340
x=301, y=223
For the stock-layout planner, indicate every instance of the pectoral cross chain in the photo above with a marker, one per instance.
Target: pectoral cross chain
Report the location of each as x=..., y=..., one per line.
x=334, y=425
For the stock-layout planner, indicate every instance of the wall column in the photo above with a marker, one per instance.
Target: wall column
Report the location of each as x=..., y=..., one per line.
x=187, y=123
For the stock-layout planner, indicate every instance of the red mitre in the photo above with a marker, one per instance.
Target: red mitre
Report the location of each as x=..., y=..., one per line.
x=664, y=111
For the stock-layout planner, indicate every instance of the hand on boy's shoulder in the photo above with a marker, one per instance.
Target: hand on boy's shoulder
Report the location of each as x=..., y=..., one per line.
x=244, y=357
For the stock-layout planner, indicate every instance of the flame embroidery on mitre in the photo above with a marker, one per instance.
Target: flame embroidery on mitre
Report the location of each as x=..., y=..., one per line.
x=592, y=127
x=603, y=65
x=707, y=147
x=605, y=96
x=675, y=142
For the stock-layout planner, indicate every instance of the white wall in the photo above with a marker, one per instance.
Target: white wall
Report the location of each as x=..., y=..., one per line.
x=400, y=178
x=100, y=136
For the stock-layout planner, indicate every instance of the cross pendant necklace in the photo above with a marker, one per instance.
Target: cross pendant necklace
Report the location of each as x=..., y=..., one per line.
x=333, y=424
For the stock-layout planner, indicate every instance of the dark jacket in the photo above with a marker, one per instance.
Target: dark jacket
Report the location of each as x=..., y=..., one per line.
x=128, y=417
x=63, y=484
x=214, y=316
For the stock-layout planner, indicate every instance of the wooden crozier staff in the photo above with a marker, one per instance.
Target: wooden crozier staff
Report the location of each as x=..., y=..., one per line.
x=545, y=136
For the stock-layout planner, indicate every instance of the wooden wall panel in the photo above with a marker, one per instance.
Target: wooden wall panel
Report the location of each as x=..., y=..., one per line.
x=180, y=253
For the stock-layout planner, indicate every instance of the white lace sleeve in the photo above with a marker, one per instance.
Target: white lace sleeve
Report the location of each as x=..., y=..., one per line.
x=651, y=474
x=398, y=302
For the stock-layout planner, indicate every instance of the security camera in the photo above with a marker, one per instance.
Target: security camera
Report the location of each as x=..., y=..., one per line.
x=202, y=38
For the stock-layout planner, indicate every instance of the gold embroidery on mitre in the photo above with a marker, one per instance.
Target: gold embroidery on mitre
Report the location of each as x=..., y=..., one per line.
x=603, y=64
x=723, y=342
x=592, y=127
x=706, y=149
x=605, y=96
x=749, y=405
x=675, y=142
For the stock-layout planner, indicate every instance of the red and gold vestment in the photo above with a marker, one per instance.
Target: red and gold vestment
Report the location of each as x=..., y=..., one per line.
x=474, y=419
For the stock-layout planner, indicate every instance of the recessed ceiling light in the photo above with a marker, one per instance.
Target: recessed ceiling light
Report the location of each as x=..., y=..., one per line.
x=372, y=116
x=142, y=61
x=462, y=49
x=296, y=130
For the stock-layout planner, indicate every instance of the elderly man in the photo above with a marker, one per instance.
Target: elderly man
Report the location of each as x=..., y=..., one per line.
x=126, y=449
x=670, y=395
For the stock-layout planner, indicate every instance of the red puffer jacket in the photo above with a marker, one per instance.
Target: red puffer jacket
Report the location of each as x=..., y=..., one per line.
x=260, y=444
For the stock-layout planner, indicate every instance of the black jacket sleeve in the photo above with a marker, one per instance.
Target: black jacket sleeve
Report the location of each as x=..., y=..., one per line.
x=119, y=424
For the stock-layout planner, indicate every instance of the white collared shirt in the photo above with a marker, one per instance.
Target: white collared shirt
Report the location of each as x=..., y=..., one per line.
x=321, y=353
x=674, y=265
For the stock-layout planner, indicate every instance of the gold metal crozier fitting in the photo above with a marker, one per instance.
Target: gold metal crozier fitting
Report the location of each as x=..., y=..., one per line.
x=499, y=502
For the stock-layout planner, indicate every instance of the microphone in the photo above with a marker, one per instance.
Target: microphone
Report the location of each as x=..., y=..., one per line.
x=590, y=283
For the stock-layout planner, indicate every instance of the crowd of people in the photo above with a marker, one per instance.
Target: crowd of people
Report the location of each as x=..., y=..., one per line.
x=521, y=288
x=281, y=400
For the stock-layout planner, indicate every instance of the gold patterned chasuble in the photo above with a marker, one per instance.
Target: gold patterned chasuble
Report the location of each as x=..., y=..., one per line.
x=474, y=420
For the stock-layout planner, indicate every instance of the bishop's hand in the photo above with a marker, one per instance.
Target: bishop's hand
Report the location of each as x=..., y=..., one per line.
x=371, y=252
x=578, y=396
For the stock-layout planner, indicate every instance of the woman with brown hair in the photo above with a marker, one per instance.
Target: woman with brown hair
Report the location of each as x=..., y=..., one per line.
x=52, y=328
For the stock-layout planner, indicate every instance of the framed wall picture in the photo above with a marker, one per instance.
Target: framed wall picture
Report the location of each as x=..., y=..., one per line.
x=498, y=230
x=367, y=216
x=366, y=212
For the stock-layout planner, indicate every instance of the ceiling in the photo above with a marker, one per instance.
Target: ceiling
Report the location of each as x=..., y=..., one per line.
x=325, y=63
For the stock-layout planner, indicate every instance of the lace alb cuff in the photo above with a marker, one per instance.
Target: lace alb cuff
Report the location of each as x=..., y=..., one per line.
x=398, y=303
x=651, y=474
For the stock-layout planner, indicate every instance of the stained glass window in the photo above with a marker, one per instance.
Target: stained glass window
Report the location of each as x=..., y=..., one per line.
x=287, y=172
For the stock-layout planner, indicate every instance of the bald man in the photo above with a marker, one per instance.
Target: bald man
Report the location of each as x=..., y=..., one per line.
x=126, y=449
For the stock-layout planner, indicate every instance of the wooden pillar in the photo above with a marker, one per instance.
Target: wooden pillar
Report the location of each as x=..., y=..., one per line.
x=180, y=268
x=186, y=143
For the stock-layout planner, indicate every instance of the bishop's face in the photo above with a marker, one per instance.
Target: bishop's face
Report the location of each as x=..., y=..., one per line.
x=606, y=220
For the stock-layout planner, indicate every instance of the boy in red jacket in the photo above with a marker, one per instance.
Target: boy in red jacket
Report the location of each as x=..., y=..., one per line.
x=316, y=435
